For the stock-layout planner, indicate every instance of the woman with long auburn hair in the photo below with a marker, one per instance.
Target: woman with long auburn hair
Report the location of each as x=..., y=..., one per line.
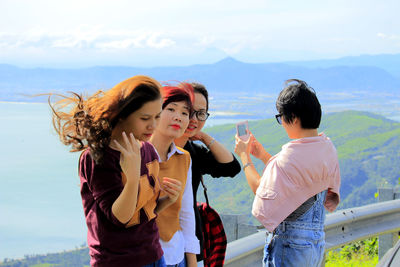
x=118, y=169
x=176, y=223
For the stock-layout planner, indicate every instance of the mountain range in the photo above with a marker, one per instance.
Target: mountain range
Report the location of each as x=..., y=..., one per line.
x=370, y=74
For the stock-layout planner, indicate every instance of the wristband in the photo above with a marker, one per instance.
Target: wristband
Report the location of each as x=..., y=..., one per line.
x=212, y=142
x=247, y=165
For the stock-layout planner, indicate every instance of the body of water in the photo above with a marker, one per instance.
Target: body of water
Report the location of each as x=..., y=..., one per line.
x=40, y=204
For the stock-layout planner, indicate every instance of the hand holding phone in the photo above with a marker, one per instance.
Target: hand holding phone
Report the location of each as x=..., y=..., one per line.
x=242, y=130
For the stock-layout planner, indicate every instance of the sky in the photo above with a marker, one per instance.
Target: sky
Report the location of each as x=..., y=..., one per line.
x=82, y=33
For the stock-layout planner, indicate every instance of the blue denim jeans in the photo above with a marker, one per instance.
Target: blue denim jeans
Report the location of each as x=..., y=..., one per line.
x=159, y=263
x=298, y=243
x=181, y=264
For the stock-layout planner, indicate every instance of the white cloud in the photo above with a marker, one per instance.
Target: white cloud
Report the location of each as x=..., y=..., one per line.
x=388, y=36
x=205, y=41
x=121, y=44
x=381, y=35
x=81, y=39
x=155, y=41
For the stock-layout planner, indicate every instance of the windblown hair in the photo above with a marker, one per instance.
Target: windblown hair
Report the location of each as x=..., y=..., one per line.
x=176, y=93
x=88, y=122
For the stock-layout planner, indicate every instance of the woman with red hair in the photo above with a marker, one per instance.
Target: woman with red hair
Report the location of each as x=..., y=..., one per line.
x=176, y=223
x=118, y=173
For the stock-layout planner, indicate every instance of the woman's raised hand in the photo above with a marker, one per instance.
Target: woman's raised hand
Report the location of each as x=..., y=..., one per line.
x=251, y=146
x=256, y=148
x=172, y=188
x=130, y=155
x=241, y=146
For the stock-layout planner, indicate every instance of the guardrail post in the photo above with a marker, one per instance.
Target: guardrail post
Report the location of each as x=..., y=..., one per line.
x=386, y=241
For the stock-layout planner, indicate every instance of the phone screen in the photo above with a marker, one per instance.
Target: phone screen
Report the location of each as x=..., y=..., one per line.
x=241, y=129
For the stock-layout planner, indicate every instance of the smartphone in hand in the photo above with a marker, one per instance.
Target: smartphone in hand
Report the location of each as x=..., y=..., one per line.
x=242, y=129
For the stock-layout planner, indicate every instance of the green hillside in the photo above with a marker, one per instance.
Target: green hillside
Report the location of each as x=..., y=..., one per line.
x=368, y=147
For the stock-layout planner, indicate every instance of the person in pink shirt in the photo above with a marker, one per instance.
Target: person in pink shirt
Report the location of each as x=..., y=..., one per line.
x=297, y=183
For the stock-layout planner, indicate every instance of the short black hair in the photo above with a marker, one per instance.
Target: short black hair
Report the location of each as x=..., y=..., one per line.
x=299, y=100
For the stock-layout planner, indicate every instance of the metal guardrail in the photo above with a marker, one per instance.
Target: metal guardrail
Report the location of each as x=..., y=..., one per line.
x=341, y=227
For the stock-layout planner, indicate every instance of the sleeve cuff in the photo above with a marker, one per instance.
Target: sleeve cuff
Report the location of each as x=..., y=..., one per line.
x=192, y=246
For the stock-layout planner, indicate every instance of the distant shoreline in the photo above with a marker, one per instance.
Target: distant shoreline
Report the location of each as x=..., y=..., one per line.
x=231, y=116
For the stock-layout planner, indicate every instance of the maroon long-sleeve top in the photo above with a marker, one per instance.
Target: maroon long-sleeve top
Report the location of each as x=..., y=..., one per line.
x=110, y=242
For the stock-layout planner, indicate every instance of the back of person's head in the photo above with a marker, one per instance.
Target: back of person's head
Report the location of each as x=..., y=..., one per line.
x=176, y=93
x=89, y=122
x=201, y=89
x=299, y=100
